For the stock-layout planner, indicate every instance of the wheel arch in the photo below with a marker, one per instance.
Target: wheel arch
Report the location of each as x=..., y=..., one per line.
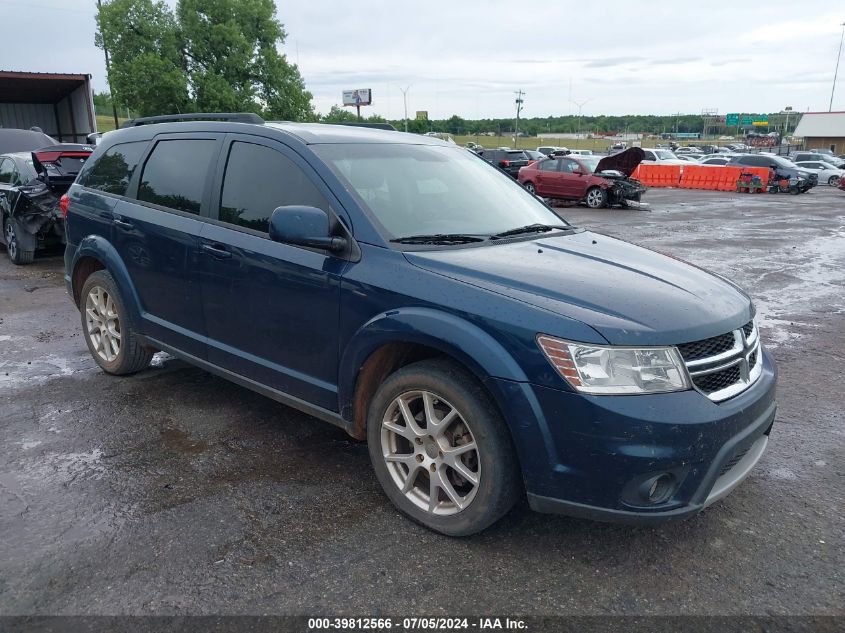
x=96, y=253
x=400, y=337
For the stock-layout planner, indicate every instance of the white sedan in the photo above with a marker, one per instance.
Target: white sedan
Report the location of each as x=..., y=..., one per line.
x=827, y=172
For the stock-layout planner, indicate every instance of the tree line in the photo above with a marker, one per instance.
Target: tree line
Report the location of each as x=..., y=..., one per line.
x=201, y=56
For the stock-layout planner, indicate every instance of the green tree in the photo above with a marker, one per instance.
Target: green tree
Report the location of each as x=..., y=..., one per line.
x=338, y=115
x=210, y=55
x=147, y=73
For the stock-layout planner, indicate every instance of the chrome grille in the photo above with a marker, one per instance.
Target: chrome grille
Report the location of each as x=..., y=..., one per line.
x=708, y=383
x=723, y=366
x=707, y=347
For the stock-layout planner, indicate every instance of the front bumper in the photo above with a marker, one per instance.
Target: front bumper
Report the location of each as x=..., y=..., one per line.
x=584, y=455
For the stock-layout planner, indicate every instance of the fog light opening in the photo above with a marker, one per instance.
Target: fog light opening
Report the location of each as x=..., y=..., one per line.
x=657, y=489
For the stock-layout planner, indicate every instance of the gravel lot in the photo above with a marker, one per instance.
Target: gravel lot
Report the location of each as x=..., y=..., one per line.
x=175, y=492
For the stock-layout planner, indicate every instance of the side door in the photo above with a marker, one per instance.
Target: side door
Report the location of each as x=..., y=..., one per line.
x=271, y=309
x=548, y=176
x=574, y=183
x=156, y=235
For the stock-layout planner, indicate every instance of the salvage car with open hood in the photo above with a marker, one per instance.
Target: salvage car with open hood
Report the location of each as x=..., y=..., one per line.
x=31, y=186
x=599, y=182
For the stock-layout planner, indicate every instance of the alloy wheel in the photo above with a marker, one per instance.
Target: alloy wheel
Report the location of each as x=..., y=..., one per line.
x=102, y=323
x=530, y=188
x=11, y=240
x=833, y=181
x=430, y=452
x=595, y=198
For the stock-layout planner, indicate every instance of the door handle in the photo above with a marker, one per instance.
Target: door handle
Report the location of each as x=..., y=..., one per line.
x=216, y=250
x=122, y=223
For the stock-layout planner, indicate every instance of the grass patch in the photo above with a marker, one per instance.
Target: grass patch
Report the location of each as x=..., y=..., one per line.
x=105, y=122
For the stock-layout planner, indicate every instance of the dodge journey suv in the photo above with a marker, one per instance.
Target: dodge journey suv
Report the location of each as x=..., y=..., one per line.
x=399, y=287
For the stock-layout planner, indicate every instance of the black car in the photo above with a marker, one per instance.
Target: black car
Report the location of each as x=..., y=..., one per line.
x=15, y=140
x=508, y=160
x=31, y=185
x=800, y=180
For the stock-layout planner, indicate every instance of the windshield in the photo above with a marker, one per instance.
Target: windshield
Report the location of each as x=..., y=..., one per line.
x=665, y=154
x=590, y=162
x=426, y=190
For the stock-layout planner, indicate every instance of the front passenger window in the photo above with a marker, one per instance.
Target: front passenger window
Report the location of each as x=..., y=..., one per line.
x=258, y=179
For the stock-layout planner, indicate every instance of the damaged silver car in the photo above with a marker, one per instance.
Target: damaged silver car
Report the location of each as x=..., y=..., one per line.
x=31, y=187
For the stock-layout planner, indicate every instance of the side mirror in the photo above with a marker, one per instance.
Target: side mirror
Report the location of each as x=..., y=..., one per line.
x=304, y=226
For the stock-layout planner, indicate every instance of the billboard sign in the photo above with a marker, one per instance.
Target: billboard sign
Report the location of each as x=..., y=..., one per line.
x=360, y=97
x=422, y=115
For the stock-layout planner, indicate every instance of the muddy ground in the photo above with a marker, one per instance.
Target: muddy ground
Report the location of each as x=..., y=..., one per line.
x=175, y=492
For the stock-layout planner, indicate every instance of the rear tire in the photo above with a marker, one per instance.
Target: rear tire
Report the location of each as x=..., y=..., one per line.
x=16, y=254
x=833, y=181
x=455, y=479
x=596, y=198
x=105, y=325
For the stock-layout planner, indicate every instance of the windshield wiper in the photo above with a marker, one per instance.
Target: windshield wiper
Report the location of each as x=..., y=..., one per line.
x=438, y=238
x=530, y=228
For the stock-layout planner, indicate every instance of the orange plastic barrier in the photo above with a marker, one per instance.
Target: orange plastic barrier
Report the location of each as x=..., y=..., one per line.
x=658, y=175
x=695, y=176
x=729, y=177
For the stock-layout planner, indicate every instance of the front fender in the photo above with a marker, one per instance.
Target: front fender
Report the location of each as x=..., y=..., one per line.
x=99, y=248
x=446, y=332
x=468, y=344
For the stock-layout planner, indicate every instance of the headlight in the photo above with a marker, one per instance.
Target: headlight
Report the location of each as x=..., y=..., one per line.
x=601, y=369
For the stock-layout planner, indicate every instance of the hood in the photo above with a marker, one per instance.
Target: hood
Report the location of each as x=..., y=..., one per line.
x=630, y=295
x=625, y=162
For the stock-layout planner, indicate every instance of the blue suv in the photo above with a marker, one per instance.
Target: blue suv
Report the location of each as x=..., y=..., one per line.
x=407, y=291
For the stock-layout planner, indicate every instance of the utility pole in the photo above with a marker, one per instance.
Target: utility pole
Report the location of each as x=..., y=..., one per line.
x=108, y=66
x=405, y=100
x=519, y=101
x=836, y=72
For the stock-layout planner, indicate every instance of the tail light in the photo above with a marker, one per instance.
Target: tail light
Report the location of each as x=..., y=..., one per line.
x=64, y=205
x=505, y=163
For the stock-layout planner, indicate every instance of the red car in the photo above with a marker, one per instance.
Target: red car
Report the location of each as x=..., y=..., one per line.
x=599, y=182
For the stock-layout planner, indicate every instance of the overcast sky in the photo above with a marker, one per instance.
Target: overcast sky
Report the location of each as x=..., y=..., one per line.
x=468, y=57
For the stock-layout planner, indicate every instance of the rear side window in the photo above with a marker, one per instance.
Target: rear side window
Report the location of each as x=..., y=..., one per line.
x=175, y=173
x=112, y=172
x=258, y=179
x=7, y=170
x=548, y=165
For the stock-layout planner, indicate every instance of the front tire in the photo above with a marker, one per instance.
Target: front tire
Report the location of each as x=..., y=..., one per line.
x=596, y=198
x=440, y=449
x=530, y=188
x=18, y=255
x=106, y=328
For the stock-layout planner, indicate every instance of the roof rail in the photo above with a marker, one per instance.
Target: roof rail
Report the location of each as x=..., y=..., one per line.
x=375, y=126
x=235, y=117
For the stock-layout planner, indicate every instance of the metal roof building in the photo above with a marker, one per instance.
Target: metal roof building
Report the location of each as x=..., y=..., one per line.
x=823, y=130
x=60, y=104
